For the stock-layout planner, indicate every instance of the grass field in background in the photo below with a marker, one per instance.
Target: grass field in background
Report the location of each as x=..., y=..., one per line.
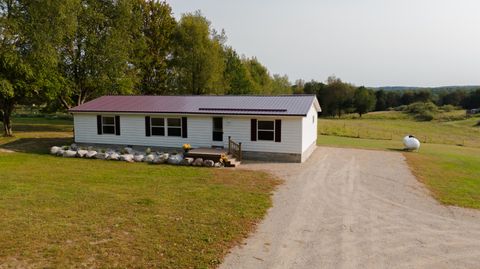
x=451, y=172
x=450, y=128
x=61, y=213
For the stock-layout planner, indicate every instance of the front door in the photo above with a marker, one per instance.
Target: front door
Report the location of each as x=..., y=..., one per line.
x=217, y=134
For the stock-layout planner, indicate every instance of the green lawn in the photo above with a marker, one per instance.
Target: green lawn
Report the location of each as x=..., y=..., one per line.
x=451, y=172
x=61, y=213
x=57, y=212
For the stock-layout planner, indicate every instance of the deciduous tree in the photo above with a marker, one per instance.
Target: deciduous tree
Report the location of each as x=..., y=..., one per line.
x=364, y=100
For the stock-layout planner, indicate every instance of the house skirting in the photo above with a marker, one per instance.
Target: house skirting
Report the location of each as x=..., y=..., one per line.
x=308, y=152
x=280, y=157
x=247, y=155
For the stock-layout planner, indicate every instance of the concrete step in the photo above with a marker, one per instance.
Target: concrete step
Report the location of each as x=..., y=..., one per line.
x=232, y=161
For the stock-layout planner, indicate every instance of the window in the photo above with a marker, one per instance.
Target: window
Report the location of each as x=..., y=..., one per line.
x=266, y=130
x=174, y=126
x=313, y=119
x=158, y=126
x=108, y=125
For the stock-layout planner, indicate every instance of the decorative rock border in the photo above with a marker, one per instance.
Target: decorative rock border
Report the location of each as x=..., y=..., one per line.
x=130, y=155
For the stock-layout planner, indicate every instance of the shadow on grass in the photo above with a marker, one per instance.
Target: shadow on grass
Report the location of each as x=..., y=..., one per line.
x=36, y=145
x=397, y=149
x=41, y=128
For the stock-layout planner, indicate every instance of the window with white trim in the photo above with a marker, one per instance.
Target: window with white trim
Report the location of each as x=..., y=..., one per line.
x=157, y=126
x=174, y=126
x=108, y=125
x=266, y=130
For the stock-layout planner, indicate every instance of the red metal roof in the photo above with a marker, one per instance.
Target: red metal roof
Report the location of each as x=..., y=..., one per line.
x=287, y=105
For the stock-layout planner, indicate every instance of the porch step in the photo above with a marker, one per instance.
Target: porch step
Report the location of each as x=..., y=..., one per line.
x=232, y=162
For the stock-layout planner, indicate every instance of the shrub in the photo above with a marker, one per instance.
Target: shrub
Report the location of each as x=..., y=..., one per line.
x=447, y=108
x=420, y=107
x=424, y=116
x=401, y=108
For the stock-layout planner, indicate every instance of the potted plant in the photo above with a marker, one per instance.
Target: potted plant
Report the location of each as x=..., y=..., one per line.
x=186, y=147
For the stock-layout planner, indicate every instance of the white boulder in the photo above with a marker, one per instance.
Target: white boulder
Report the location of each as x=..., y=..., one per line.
x=91, y=154
x=138, y=158
x=163, y=157
x=81, y=153
x=175, y=159
x=411, y=143
x=208, y=163
x=60, y=152
x=102, y=155
x=198, y=162
x=126, y=157
x=187, y=161
x=114, y=156
x=54, y=150
x=69, y=153
x=150, y=158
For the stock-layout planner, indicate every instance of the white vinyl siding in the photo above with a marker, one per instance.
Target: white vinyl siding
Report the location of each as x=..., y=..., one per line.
x=309, y=128
x=199, y=131
x=239, y=129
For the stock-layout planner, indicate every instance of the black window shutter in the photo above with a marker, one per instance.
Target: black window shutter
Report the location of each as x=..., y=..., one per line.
x=278, y=130
x=147, y=126
x=253, y=129
x=117, y=125
x=99, y=124
x=184, y=127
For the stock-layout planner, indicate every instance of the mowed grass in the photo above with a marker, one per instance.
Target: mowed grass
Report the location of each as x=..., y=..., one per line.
x=62, y=213
x=451, y=172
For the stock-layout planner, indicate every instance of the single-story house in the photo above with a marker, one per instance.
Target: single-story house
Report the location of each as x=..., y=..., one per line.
x=278, y=128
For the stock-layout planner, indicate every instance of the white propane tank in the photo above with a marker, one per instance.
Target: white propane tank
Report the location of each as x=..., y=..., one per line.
x=411, y=143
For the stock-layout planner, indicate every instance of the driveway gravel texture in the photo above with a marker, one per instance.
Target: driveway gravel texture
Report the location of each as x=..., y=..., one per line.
x=350, y=208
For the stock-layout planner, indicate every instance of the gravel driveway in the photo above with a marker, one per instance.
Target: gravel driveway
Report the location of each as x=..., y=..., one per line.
x=349, y=208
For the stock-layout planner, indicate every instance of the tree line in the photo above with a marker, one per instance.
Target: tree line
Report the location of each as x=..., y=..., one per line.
x=338, y=97
x=66, y=52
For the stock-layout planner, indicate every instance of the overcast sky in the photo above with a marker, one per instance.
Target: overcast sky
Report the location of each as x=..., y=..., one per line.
x=366, y=42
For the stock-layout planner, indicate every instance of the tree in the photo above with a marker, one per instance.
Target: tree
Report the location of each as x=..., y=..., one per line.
x=472, y=101
x=153, y=30
x=339, y=96
x=298, y=87
x=393, y=99
x=281, y=85
x=95, y=54
x=259, y=75
x=235, y=75
x=29, y=33
x=313, y=87
x=198, y=59
x=454, y=98
x=381, y=104
x=364, y=100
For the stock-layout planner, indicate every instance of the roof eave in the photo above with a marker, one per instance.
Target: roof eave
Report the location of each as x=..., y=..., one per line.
x=183, y=113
